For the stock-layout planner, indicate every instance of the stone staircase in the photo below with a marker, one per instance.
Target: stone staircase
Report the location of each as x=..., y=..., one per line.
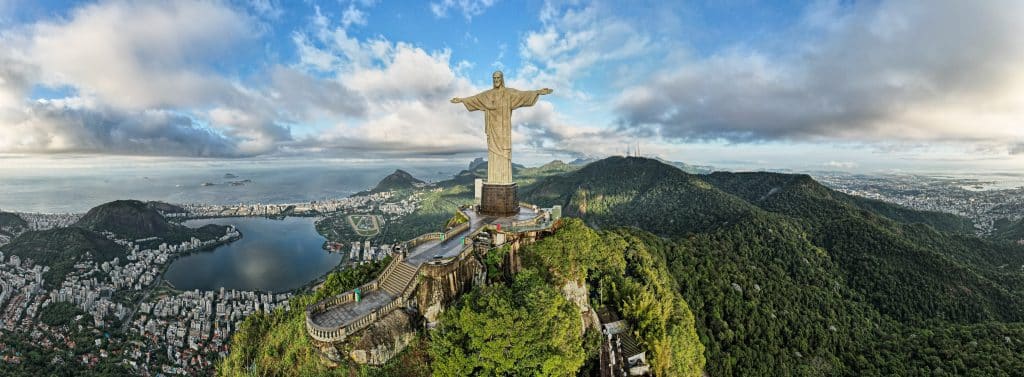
x=396, y=281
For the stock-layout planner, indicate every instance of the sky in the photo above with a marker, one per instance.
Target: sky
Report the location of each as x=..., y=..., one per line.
x=802, y=85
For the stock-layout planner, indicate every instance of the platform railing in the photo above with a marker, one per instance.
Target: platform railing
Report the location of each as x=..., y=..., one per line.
x=335, y=334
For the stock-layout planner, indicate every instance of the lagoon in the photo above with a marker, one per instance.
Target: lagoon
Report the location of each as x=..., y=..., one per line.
x=272, y=255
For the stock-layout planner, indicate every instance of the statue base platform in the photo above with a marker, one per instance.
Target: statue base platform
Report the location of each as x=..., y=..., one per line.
x=499, y=199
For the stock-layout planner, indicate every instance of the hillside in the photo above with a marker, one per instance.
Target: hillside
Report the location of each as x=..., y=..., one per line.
x=884, y=257
x=479, y=167
x=437, y=206
x=129, y=218
x=61, y=248
x=133, y=219
x=12, y=221
x=768, y=299
x=165, y=207
x=522, y=175
x=758, y=255
x=638, y=192
x=800, y=195
x=11, y=225
x=688, y=168
x=1006, y=230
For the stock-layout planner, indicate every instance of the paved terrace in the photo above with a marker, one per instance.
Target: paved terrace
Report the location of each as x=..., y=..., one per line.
x=333, y=319
x=347, y=313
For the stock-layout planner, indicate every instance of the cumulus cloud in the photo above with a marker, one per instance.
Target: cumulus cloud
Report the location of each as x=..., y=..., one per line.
x=267, y=8
x=302, y=97
x=153, y=66
x=74, y=126
x=135, y=72
x=141, y=54
x=468, y=8
x=353, y=16
x=142, y=78
x=878, y=71
x=406, y=91
x=572, y=43
x=159, y=78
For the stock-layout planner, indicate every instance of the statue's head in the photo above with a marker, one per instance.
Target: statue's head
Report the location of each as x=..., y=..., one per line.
x=499, y=79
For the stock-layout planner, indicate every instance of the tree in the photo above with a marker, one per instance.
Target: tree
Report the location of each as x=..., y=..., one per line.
x=526, y=329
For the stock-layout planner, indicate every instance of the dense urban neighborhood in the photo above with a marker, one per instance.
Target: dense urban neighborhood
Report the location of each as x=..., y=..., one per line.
x=985, y=202
x=125, y=312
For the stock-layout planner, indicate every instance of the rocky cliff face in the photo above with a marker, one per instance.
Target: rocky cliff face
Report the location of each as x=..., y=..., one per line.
x=578, y=294
x=437, y=288
x=440, y=285
x=384, y=339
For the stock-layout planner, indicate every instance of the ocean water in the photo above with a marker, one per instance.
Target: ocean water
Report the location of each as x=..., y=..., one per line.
x=73, y=185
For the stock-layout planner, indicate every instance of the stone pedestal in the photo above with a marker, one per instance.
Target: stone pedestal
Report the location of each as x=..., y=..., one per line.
x=499, y=200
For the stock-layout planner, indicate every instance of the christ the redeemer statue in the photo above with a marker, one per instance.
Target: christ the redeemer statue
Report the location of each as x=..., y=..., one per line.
x=497, y=104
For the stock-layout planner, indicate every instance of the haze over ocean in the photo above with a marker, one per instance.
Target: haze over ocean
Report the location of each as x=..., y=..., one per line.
x=69, y=188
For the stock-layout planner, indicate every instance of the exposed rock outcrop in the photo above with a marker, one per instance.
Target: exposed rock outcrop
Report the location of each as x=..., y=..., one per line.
x=384, y=339
x=440, y=285
x=578, y=294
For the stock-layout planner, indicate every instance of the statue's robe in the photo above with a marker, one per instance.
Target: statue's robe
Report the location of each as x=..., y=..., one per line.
x=497, y=105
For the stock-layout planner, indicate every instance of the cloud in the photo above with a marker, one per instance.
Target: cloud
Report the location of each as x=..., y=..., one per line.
x=267, y=8
x=253, y=131
x=841, y=164
x=405, y=91
x=137, y=72
x=573, y=44
x=144, y=79
x=16, y=76
x=151, y=66
x=1017, y=149
x=468, y=8
x=352, y=16
x=869, y=72
x=303, y=97
x=73, y=126
x=141, y=55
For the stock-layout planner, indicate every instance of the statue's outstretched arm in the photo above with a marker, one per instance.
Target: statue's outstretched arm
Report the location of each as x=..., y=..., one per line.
x=472, y=103
x=545, y=91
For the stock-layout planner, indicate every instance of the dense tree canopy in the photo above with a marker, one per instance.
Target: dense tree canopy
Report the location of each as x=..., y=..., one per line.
x=793, y=278
x=523, y=329
x=276, y=344
x=631, y=281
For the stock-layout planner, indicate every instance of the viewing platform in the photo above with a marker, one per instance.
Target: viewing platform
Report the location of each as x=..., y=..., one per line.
x=335, y=318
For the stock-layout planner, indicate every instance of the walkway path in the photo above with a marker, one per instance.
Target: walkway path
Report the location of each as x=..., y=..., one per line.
x=396, y=280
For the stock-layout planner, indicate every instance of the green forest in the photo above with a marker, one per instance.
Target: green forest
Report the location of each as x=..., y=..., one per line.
x=784, y=274
x=725, y=274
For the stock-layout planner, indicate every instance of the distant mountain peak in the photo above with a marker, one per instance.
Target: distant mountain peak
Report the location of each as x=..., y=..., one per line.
x=398, y=180
x=477, y=162
x=401, y=176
